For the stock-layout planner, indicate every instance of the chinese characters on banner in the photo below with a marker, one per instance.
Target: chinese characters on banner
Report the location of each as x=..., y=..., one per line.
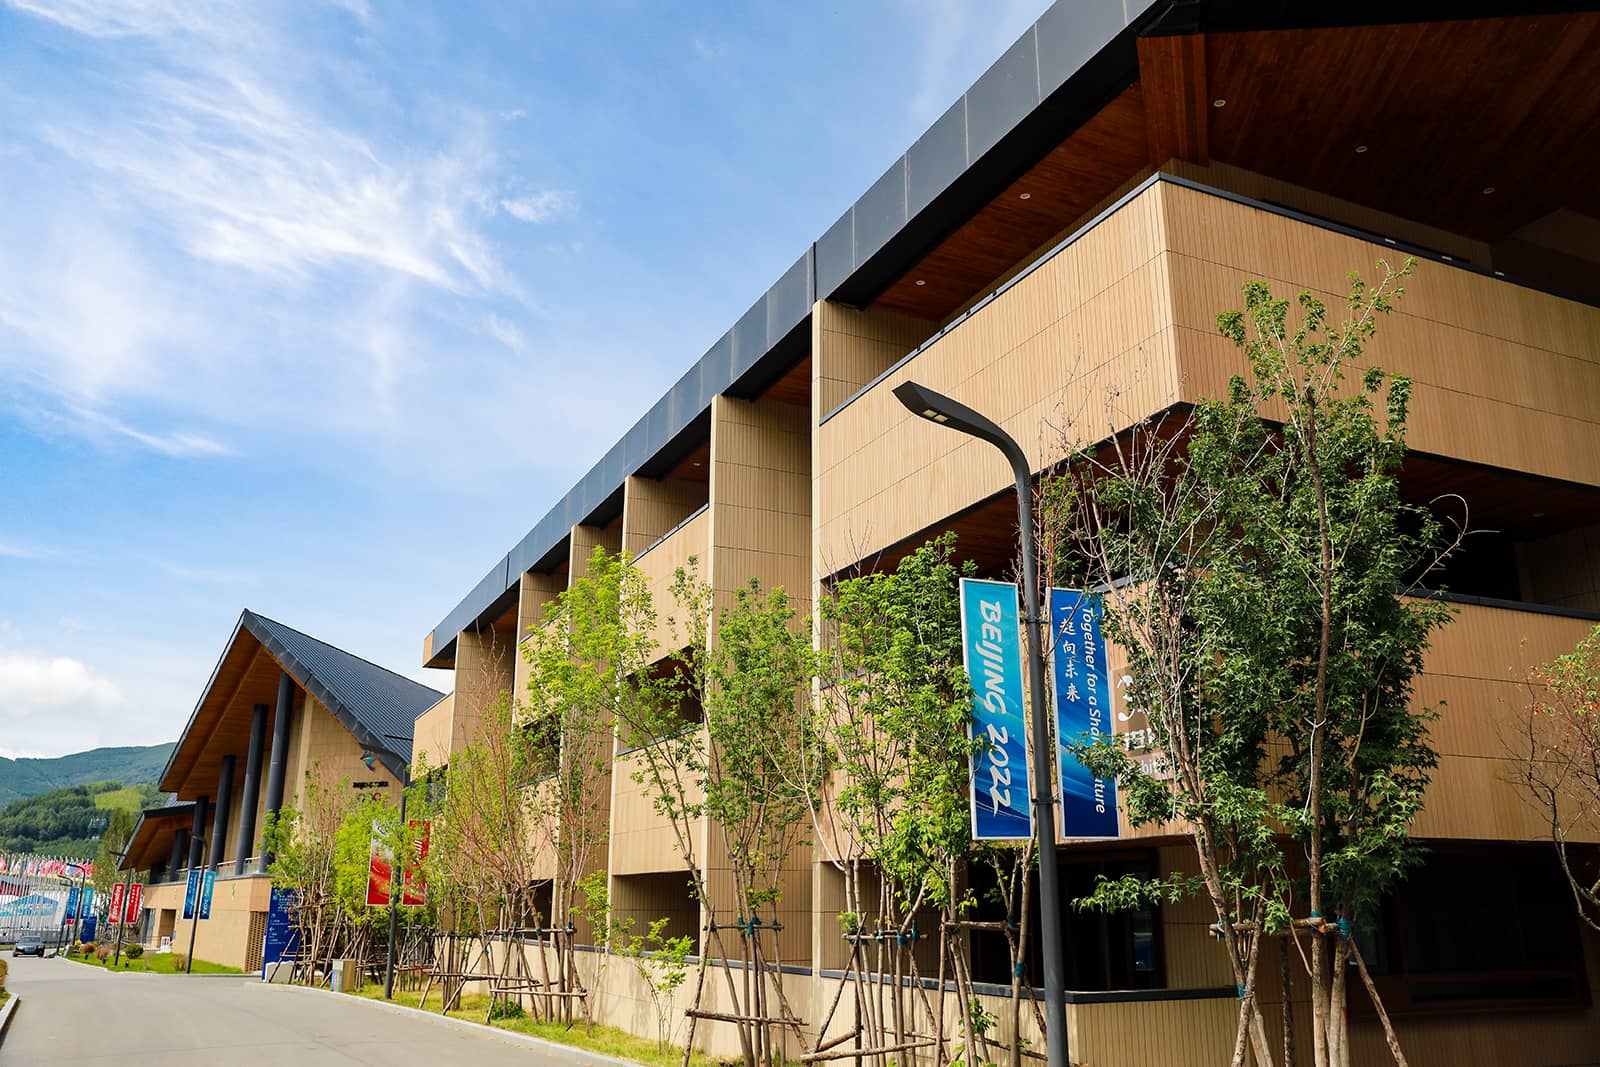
x=1083, y=712
x=135, y=901
x=991, y=650
x=117, y=891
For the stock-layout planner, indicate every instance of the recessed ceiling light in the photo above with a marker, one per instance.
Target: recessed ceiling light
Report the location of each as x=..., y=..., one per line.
x=1538, y=514
x=1219, y=102
x=921, y=282
x=1487, y=189
x=1024, y=196
x=697, y=463
x=1360, y=148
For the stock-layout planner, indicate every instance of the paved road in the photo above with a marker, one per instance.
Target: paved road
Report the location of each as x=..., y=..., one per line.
x=76, y=1015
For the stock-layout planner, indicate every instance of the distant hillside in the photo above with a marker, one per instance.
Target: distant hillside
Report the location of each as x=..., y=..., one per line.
x=69, y=822
x=134, y=765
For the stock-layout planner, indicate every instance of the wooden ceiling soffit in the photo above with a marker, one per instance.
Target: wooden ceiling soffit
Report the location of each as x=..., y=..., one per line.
x=1172, y=72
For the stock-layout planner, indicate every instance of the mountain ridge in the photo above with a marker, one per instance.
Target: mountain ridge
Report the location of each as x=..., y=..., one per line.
x=130, y=764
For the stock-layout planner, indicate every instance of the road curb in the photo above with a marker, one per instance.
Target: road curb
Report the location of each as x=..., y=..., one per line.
x=564, y=1054
x=6, y=1013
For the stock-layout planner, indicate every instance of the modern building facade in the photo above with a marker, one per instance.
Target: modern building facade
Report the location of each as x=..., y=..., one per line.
x=281, y=709
x=1071, y=226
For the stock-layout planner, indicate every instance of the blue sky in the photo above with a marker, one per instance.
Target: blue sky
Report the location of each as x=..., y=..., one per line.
x=302, y=305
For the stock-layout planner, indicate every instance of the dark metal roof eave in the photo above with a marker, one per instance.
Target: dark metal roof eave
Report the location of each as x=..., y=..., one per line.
x=307, y=680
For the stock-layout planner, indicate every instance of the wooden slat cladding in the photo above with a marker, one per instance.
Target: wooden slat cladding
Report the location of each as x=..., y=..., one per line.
x=433, y=736
x=855, y=346
x=661, y=563
x=651, y=508
x=1161, y=1033
x=1505, y=376
x=641, y=841
x=1094, y=319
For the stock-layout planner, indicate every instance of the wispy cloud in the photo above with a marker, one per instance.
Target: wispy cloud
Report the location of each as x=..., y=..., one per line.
x=11, y=550
x=224, y=576
x=538, y=207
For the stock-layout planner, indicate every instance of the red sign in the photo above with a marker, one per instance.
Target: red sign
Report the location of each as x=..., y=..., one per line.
x=380, y=870
x=135, y=902
x=114, y=913
x=415, y=889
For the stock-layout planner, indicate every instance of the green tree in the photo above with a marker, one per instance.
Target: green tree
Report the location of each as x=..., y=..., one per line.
x=892, y=717
x=1254, y=553
x=1557, y=760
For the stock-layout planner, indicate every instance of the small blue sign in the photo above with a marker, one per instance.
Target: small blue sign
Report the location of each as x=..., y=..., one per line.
x=70, y=916
x=281, y=936
x=1083, y=712
x=191, y=893
x=208, y=883
x=88, y=931
x=991, y=650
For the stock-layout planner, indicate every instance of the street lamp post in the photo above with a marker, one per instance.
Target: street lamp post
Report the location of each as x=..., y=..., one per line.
x=199, y=892
x=401, y=769
x=938, y=408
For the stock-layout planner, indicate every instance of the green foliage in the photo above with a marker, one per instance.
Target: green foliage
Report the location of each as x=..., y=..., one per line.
x=64, y=822
x=893, y=718
x=662, y=963
x=506, y=1008
x=133, y=951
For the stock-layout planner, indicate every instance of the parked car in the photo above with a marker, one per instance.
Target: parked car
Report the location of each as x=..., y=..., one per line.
x=29, y=946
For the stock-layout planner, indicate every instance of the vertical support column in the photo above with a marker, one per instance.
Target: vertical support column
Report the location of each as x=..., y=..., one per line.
x=197, y=842
x=280, y=752
x=222, y=809
x=251, y=797
x=180, y=849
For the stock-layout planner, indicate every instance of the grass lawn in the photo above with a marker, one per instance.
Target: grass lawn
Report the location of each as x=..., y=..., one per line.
x=607, y=1040
x=155, y=963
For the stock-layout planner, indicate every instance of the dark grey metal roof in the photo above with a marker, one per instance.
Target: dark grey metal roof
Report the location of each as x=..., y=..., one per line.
x=1071, y=61
x=374, y=703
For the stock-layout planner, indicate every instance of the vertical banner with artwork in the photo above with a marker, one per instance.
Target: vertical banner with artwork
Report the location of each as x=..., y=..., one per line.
x=380, y=869
x=208, y=882
x=135, y=903
x=414, y=891
x=991, y=650
x=118, y=889
x=86, y=902
x=1083, y=712
x=191, y=893
x=70, y=916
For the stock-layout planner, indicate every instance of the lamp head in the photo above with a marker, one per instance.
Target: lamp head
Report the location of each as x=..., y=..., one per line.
x=938, y=408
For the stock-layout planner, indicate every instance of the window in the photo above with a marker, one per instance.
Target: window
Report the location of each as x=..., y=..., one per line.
x=1117, y=950
x=1475, y=927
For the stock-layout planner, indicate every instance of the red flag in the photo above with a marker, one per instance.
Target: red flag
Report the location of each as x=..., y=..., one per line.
x=114, y=913
x=135, y=901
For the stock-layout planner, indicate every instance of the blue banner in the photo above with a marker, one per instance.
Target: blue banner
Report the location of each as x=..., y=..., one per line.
x=1083, y=712
x=281, y=935
x=70, y=916
x=207, y=884
x=86, y=902
x=191, y=893
x=991, y=650
x=88, y=931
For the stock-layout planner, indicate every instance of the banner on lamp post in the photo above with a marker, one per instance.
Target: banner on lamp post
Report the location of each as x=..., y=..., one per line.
x=414, y=888
x=380, y=869
x=208, y=882
x=991, y=650
x=1083, y=712
x=191, y=893
x=118, y=889
x=135, y=902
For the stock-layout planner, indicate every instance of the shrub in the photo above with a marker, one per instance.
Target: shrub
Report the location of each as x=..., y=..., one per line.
x=4, y=968
x=133, y=952
x=102, y=952
x=506, y=1009
x=179, y=961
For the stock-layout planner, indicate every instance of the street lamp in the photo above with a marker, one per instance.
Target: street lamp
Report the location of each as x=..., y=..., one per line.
x=938, y=408
x=402, y=771
x=199, y=892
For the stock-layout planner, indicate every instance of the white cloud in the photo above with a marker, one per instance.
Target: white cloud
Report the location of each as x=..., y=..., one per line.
x=31, y=684
x=505, y=332
x=9, y=550
x=538, y=207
